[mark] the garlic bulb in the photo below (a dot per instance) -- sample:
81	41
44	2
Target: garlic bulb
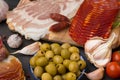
3	9
14	41
99	50
96	40
96	74
99	54
116	41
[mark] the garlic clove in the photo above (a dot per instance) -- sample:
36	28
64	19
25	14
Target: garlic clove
30	49
95	42
101	53
116	41
3	9
102	63
96	74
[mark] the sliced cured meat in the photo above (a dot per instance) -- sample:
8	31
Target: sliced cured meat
3	51
33	19
23	2
11	69
94	18
10	66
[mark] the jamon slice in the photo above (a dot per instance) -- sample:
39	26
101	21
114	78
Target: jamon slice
10	66
11	69
32	19
3	51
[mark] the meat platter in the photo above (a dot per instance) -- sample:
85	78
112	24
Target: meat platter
5	33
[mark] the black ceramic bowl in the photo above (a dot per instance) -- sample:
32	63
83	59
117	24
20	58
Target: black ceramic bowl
35	78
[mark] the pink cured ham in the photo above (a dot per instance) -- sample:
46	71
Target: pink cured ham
10	66
32	18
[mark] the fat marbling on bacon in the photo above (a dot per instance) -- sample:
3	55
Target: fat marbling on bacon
32	19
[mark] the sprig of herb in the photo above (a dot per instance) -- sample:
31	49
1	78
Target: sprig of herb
117	21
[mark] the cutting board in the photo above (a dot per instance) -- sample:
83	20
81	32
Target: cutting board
61	37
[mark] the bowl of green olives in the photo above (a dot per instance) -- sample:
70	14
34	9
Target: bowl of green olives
57	62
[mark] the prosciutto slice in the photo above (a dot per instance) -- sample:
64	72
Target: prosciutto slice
10	66
31	18
11	69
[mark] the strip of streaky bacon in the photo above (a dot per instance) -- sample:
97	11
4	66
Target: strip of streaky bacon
23	2
33	19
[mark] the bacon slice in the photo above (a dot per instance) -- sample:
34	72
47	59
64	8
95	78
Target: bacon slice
23	2
32	18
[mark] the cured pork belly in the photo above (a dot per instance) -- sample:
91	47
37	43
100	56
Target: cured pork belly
32	18
23	2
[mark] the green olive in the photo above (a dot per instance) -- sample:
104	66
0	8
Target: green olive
75	56
42	61
65	53
44	47
51	69
38	71
73	66
33	61
46	76
82	64
70	76
61	68
54	45
57	77
78	73
57	59
74	49
64	76
65	45
66	63
40	54
49	54
57	50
